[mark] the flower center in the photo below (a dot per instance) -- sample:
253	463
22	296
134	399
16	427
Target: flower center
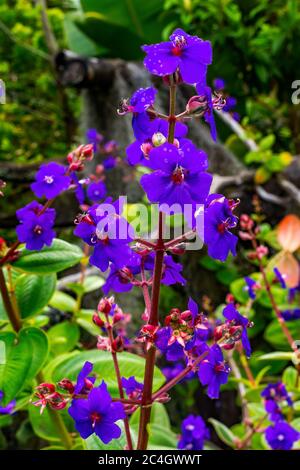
179	44
280	437
223	226
38	230
95	418
219	367
48	179
178	175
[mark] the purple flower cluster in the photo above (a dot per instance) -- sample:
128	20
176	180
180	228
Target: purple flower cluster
280	435
7	409
108	233
35	227
193	433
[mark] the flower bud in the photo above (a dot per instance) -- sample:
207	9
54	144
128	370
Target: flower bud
158	139
197	105
146	148
66	384
98	321
261	251
246	222
105	305
45	388
117	344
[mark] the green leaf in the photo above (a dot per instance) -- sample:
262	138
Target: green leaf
90	284
33	292
275	336
159	416
161	438
130	364
63	302
44	425
84	319
94	443
51	259
63	337
239	290
289	378
224	433
277	356
267	142
25	356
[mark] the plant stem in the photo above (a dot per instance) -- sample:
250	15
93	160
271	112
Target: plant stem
154	315
244	442
245	365
165	388
9	253
280	319
241	387
12	313
120	387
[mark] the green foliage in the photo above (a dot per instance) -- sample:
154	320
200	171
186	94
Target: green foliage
51	259
24	357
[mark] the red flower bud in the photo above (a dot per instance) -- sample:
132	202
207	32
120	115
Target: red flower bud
246	222
117	344
98	321
105	305
45	388
66	384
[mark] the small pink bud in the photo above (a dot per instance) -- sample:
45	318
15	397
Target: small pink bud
246	222
104	305
98	321
261	251
197	105
66	384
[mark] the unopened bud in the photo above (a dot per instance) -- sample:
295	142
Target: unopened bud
246	223
98	321
197	105
66	384
117	344
158	139
104	305
45	388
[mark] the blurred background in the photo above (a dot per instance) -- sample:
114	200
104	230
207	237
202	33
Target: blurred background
67	64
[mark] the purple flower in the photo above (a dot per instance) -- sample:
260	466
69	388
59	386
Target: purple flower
190	54
170	371
280	277
171	270
218	220
219	83
230	104
97	414
204	90
108	233
7	409
84	382
131	385
139	152
273	395
179	178
36	227
141	100
193	433
51	180
235	318
173	352
93	137
290	315
250	287
120	280
281	436
213	371
109	163
96	191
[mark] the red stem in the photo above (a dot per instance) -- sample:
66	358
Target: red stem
120	387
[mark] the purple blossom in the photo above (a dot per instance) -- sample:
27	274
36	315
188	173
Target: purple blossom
139	152
108	233
234	317
204	90
171	273
281	436
93	137
219	83
131	385
218	220
179	177
174	351
109	163
36	227
97	414
230	104
96	191
172	370
51	180
7	409
280	277
190	54
274	394
84	382
250	287
140	102
120	280
193	433
213	371
291	314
